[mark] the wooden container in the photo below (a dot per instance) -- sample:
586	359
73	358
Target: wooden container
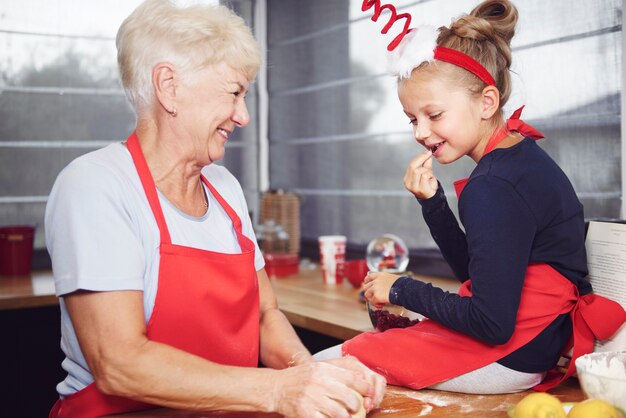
284	209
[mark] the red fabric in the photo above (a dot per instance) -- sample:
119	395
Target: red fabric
465	61
513	124
91	403
459	185
428	352
589	311
593	317
207	304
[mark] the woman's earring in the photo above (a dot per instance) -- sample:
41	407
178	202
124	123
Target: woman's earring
174	112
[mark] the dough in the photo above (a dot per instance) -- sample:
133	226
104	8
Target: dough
361	412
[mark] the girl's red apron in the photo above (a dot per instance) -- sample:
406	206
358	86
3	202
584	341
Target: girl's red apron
207	304
428	353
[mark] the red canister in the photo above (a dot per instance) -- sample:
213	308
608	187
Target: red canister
281	265
16	250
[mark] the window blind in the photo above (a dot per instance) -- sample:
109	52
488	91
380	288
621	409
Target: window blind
338	136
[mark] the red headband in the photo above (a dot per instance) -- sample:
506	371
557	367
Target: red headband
463	60
440	53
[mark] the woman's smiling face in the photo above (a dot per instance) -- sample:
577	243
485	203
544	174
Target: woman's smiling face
213	106
446	118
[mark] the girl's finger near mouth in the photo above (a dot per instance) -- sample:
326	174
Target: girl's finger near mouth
429	162
425	157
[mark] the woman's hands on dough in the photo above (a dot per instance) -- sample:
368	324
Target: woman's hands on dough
378	384
325	389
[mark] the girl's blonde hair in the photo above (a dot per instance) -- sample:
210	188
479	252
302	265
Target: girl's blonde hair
190	38
485	35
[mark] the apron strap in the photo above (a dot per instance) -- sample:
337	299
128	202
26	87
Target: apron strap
148	185
244	242
459	185
150	189
513	124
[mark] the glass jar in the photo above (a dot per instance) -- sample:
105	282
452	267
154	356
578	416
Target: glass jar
273	239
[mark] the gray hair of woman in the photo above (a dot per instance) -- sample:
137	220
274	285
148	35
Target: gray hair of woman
190	38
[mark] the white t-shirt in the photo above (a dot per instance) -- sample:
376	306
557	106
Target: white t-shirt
101	235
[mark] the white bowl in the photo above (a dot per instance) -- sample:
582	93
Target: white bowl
602	376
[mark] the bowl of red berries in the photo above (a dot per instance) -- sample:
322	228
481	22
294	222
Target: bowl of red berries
391	316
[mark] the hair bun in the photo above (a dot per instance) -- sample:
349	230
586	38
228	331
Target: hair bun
485	35
501	15
475	28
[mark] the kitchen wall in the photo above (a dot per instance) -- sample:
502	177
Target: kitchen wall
336	133
60	98
339	138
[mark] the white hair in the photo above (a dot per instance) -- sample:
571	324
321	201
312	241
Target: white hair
190	38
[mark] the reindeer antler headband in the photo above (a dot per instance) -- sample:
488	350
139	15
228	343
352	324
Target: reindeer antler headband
413	46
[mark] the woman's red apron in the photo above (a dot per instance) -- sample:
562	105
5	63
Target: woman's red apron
207	304
428	352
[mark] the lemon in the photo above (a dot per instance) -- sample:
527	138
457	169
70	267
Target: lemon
539	405
593	408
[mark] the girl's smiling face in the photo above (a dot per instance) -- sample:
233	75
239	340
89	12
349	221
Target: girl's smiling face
447	119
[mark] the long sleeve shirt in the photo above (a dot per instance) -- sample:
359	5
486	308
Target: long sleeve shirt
518	207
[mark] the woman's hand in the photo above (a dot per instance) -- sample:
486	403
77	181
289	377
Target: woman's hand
419	178
376	288
326	389
378	384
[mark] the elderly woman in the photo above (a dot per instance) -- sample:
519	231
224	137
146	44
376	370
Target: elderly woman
163	293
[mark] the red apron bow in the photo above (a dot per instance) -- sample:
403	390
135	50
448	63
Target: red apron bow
514	123
442	353
593	317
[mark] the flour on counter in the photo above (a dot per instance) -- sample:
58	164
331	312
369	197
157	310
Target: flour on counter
388	410
432	399
435	399
426	410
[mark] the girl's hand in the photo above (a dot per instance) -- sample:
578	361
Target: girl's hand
376	288
419	178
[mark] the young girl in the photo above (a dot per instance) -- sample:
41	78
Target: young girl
522	242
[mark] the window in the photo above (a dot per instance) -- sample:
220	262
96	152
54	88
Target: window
337	134
339	138
60	97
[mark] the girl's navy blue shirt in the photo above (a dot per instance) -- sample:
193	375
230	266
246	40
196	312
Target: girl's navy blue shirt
518	207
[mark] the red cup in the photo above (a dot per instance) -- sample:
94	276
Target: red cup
16	250
355	271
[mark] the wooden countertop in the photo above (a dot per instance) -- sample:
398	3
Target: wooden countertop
331	310
406	403
335	310
32	291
